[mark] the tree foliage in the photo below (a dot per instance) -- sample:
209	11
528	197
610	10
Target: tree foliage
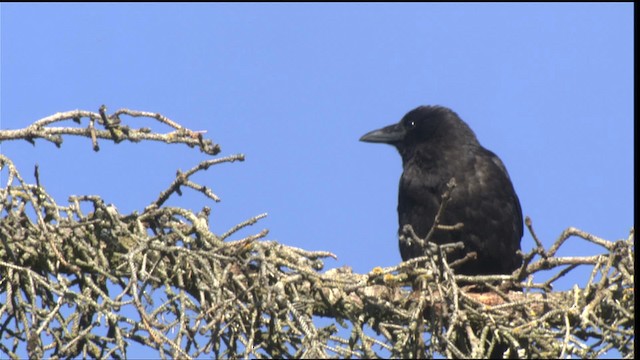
91	283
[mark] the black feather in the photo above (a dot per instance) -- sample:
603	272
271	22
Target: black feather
435	146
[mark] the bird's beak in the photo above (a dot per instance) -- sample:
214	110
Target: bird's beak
389	135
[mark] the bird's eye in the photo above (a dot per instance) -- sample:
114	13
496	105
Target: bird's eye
410	124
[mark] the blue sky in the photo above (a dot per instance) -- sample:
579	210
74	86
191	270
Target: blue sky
547	87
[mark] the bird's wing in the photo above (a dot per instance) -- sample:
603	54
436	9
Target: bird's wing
496	160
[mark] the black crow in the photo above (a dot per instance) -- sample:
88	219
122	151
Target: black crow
436	145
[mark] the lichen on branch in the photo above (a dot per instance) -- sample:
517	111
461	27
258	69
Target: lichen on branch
77	283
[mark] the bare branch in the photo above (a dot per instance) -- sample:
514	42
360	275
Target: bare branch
91	284
114	130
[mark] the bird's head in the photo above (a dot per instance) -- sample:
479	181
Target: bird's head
424	125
